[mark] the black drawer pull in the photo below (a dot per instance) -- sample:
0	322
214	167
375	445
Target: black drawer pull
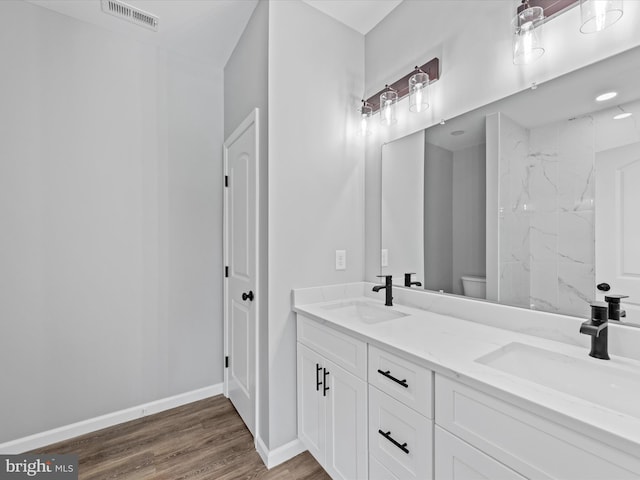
318	382
324	380
387	435
391	377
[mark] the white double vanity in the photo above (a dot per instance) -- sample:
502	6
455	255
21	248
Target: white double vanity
442	387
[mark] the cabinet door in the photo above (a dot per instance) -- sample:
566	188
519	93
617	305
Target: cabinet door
346	424
457	460
311	415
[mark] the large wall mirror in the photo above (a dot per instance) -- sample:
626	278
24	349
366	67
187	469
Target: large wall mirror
531	201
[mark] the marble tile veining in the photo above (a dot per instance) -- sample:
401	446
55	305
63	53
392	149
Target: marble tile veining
550	174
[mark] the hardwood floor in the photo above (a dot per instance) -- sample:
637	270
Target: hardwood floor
202	440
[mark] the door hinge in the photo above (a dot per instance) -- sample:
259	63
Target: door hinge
226	362
226	272
226	180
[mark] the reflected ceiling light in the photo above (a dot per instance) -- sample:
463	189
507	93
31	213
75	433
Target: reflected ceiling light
388	100
418	91
606	96
596	15
365	115
623	115
527	33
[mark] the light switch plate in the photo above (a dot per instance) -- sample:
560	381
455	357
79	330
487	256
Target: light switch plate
341	259
384	258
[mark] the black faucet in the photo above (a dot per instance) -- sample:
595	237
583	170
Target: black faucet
408	282
614	306
597	328
387	287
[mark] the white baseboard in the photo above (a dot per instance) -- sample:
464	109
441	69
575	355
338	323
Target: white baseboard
273	458
66	432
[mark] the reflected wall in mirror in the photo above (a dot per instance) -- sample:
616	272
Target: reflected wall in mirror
534	193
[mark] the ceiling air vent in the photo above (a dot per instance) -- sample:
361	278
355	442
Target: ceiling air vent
127	12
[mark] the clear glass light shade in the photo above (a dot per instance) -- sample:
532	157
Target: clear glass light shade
388	101
597	15
419	92
365	118
527	35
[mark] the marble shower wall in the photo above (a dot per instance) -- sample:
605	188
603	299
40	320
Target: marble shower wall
514	220
547	215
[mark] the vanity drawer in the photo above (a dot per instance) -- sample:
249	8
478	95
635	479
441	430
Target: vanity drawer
531	445
402	379
400	439
377	471
348	352
457	460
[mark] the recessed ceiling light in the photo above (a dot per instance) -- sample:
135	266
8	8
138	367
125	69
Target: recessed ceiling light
606	96
620	116
455	133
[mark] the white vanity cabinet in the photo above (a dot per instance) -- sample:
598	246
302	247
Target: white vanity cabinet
332	401
365	411
479	433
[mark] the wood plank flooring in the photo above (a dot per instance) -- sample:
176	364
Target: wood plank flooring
201	440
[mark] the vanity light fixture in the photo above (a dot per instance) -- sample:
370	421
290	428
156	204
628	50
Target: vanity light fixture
527	33
385	100
531	15
606	96
596	15
418	91
388	100
365	116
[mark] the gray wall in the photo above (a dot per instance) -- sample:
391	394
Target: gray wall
438	225
469	213
316	178
110	205
245	88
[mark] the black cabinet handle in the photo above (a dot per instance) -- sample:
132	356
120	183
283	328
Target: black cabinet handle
391	377
388	436
325	388
604	287
248	296
318	382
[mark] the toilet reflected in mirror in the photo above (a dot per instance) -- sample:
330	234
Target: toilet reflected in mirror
474	286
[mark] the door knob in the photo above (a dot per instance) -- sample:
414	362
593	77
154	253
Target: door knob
603	287
248	296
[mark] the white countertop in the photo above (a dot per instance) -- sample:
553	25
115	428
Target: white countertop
450	346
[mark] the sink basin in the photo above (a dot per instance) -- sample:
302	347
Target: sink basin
364	311
600	383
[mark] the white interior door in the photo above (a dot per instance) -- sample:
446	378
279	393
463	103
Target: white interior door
618	224
240	246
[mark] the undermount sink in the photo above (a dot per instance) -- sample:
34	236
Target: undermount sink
603	384
364	311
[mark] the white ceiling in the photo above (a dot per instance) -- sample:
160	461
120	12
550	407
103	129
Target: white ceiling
361	15
205	29
209	29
